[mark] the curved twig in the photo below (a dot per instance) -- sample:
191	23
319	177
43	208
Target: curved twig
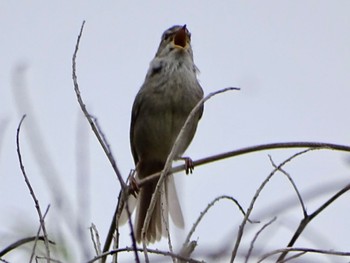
290	179
172	155
151	251
210	205
256	237
105	146
32	193
252	203
94	128
21	242
306	250
307	219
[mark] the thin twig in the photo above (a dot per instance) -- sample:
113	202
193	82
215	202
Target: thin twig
21	242
88	116
256	236
50	259
103	142
31	190
40	151
306	220
294	186
94	128
202	214
312	193
306	250
152	251
145	250
95	237
186	251
38	233
165	218
173	153
294	256
252	203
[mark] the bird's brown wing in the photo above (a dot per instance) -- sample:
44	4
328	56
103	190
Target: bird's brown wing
134	115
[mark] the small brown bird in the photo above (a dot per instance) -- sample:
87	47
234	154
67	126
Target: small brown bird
169	93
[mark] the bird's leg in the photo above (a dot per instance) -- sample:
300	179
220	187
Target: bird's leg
189	167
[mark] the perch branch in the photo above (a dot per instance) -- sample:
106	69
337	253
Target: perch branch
251	149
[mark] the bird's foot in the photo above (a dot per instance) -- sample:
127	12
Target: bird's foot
189	166
134	188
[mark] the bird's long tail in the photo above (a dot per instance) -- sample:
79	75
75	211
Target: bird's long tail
167	200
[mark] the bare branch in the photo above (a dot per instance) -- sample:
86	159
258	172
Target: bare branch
164	215
152	251
251	206
31	190
294	256
145	251
294	186
94	128
307	219
205	211
21	242
104	144
187	250
305	250
172	155
95	237
50	259
256	236
251	149
38	233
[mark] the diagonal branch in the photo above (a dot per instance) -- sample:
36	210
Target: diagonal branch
307	219
21	242
252	203
94	128
31	190
294	186
304	250
202	214
256	237
105	146
172	155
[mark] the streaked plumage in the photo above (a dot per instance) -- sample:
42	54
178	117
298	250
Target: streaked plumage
162	105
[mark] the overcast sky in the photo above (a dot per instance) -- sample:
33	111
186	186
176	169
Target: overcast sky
290	59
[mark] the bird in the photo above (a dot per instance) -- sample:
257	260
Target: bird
169	93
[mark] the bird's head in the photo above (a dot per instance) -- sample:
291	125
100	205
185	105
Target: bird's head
176	40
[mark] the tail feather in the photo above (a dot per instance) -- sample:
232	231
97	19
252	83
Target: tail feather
173	203
167	202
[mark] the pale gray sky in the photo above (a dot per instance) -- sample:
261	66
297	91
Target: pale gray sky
290	59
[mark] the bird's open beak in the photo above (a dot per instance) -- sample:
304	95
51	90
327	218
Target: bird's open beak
181	37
